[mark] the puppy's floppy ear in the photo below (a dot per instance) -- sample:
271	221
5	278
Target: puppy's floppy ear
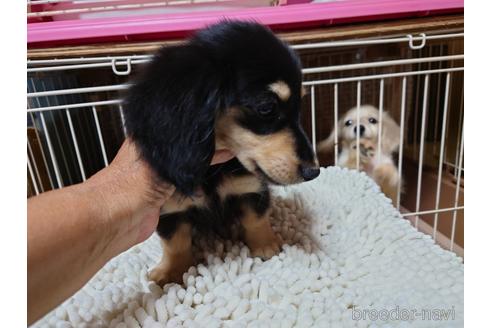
170	113
390	134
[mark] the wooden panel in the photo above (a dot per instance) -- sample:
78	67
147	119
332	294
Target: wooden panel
307	35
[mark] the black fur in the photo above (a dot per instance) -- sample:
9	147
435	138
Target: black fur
171	108
170	112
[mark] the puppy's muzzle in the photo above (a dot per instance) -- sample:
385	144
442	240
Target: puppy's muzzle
361	129
309	172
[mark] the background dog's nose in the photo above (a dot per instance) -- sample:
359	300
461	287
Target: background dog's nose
360	128
309	172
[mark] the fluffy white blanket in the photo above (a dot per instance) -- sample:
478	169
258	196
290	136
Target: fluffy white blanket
350	260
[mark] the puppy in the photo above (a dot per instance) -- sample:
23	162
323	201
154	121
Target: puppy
236	86
380	167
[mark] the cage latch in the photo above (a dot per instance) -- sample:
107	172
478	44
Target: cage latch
128	67
411	43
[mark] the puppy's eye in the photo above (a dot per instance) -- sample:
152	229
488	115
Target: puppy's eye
266	110
372	120
348	123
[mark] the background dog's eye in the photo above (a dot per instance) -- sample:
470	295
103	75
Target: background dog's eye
348	123
372	120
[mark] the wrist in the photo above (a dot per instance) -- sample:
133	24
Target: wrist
126	205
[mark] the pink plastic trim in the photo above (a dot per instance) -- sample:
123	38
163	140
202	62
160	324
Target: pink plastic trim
283	17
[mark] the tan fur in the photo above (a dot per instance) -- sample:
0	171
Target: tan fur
303	91
381	168
176	258
259	236
178	202
386	176
275	153
281	89
238	186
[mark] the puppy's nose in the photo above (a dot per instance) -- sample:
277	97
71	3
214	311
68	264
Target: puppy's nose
309	172
361	130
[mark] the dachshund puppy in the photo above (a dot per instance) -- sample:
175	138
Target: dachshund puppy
236	86
380	167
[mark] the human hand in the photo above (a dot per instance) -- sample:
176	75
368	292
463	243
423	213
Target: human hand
131	196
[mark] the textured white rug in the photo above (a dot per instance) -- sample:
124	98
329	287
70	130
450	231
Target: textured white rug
351	261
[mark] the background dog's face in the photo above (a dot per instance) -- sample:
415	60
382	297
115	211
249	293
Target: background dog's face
368	127
368	124
263	130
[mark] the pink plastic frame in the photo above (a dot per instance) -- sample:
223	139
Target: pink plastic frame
289	16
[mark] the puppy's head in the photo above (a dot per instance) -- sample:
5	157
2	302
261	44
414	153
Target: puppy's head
261	120
233	85
367	129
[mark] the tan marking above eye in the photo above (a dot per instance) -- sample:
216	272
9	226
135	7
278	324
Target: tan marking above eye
281	89
303	91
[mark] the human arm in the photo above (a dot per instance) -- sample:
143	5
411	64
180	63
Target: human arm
72	232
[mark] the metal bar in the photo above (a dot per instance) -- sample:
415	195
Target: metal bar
454	165
402	134
457	192
380	118
31	155
441	152
460	129
381	64
313	119
52	153
357	136
78	90
99	134
438	102
31	174
422	144
80	105
82	60
351	79
131	60
383	76
83	66
75	144
335	91
374	41
449	209
43	156
122	117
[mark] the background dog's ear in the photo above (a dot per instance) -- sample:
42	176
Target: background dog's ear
328	145
170	113
390	134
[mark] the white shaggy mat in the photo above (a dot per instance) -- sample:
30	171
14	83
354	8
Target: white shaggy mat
351	261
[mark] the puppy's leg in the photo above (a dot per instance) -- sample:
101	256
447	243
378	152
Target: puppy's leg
258	234
176	245
366	154
386	176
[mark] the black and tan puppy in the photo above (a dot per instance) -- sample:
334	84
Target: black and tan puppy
233	85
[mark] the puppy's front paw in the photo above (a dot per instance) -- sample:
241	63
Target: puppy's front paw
162	276
267	247
171	269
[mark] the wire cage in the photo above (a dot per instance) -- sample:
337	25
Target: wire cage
75	120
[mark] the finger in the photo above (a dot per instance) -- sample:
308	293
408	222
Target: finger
222	156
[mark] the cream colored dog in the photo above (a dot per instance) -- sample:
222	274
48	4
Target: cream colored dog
380	167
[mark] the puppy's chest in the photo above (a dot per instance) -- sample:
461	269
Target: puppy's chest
222	183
